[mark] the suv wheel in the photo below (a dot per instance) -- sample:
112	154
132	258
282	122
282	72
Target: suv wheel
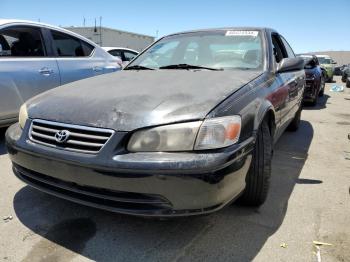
348	82
258	177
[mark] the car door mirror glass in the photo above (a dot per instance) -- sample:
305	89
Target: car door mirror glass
290	64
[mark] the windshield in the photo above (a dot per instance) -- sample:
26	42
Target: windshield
216	49
324	60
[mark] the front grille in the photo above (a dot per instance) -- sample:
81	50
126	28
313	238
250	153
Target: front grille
80	139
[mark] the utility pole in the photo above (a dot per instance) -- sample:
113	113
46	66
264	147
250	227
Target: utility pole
100	30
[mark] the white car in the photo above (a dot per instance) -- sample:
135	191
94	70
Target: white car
35	57
125	54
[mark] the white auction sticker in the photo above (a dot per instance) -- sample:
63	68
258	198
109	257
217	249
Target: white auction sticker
242	33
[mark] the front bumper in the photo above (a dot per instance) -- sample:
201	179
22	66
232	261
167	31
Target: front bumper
146	184
310	91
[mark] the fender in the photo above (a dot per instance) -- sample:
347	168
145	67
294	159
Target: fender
251	104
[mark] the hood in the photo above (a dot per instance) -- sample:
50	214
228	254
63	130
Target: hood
129	100
327	66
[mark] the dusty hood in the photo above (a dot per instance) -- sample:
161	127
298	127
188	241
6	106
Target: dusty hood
129	100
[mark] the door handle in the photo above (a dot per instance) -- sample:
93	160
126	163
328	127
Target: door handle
97	68
46	71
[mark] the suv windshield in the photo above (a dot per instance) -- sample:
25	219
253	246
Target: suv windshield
208	50
324	60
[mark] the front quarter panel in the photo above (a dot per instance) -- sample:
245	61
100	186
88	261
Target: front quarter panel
252	102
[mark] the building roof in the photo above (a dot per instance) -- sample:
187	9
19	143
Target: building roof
108	28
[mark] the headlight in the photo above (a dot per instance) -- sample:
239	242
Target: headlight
218	132
23	115
200	135
177	137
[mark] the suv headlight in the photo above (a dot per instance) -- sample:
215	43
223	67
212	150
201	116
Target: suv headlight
199	135
23	115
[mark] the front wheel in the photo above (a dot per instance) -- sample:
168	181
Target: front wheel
348	82
322	86
258	177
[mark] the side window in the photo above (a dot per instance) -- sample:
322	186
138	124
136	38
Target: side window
21	41
277	48
69	46
128	56
116	52
287	47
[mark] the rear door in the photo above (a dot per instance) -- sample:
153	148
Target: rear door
26	68
75	57
290	84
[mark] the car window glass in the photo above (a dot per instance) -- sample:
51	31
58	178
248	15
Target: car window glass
287	47
128	56
67	46
116	52
87	48
191	53
277	50
21	42
220	49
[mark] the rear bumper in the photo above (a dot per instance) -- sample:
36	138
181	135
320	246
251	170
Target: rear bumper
146	184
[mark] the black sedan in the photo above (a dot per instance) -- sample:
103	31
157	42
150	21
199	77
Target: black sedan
186	128
315	79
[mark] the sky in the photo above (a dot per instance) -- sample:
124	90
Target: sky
308	25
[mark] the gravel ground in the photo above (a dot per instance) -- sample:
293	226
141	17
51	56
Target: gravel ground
309	200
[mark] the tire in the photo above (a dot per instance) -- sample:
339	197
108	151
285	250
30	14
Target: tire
314	102
294	125
343	78
258	177
322	86
348	82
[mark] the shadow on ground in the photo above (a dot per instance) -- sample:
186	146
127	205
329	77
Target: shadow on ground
234	234
321	103
2	141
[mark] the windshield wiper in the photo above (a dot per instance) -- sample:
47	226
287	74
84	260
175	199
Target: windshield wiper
187	66
138	67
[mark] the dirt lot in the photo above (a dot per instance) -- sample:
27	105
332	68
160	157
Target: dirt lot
309	201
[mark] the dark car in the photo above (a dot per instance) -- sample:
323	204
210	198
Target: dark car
345	73
186	128
315	79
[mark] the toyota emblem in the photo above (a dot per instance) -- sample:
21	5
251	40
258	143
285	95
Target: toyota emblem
62	136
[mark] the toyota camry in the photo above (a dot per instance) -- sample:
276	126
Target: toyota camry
186	128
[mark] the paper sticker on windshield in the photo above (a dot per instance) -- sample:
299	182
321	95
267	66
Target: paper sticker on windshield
242	33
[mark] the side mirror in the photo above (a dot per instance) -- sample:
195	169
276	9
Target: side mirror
290	64
334	62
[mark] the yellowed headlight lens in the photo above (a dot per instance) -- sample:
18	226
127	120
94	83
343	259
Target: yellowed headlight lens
23	115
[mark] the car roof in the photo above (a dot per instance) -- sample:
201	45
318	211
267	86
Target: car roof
108	48
33	23
325	56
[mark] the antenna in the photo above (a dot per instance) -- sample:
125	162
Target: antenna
95	29
84	21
